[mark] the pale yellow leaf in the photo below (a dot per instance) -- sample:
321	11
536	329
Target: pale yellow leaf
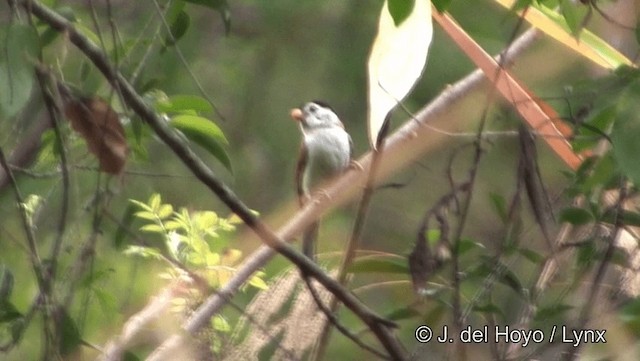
396	61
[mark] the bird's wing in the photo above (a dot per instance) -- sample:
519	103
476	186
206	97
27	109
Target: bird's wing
300	167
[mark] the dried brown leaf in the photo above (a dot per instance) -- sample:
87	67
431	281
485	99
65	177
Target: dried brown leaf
100	127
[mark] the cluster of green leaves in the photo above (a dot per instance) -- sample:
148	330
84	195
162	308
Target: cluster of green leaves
184	114
198	240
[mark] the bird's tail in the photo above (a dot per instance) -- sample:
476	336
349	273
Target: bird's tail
309	237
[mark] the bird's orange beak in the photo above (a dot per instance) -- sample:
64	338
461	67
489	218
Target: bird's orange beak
296	114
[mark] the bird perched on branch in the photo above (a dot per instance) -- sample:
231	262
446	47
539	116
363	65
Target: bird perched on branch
325	153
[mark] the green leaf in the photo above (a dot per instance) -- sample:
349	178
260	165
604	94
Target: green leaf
498	202
576	216
490	266
629	218
552	312
586	254
532	256
184	103
150	216
130	356
152	228
70	338
6	283
258	283
204	133
178	28
466	245
400	10
385	264
624	136
165	211
220	324
221	6
145	252
575	13
20	47
8	312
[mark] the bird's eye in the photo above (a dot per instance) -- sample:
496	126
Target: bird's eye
313	108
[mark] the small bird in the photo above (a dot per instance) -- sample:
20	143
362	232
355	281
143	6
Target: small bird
325	152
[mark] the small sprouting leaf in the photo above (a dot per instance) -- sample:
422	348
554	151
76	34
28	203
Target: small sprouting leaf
205	133
20	47
396	61
258	283
145	252
152	228
576	216
219	323
386	264
150	216
165	211
155	200
184	103
221	6
141	205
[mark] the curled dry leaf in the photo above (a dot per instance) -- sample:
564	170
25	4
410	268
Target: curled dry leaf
100	127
